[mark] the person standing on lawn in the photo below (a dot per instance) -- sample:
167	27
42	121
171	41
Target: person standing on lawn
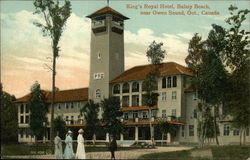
68	152
58	147
80	152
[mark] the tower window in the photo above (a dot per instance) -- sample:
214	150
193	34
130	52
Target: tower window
135	87
98	93
116	89
163	82
169	82
174	81
99	55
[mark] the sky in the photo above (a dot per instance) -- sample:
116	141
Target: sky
25	52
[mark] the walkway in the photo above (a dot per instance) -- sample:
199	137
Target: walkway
130	154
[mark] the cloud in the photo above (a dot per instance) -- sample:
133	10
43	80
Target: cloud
25	51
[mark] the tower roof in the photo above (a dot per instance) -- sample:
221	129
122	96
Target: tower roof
106	10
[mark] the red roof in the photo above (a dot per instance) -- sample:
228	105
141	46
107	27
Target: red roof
106	10
189	89
140	72
79	94
137	108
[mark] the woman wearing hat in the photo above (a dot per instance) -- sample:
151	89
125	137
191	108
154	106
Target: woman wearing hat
80	152
68	152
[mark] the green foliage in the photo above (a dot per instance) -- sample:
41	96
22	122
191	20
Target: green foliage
166	127
38	111
195	52
238	40
55	17
90	112
60	126
150	85
155	54
8	118
111	113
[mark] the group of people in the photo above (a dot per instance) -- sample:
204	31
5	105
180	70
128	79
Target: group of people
68	151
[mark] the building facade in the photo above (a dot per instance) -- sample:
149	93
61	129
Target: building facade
177	102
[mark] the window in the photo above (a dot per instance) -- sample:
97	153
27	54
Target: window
99	55
27	133
135	100
183	130
125	88
72	105
27	109
135	115
21	119
27	119
21	133
169	82
226	130
125	101
58	107
22	108
72	120
173	112
154	112
98	93
163	113
67	118
195	113
143	86
116	89
163	82
164	96
174	81
144	115
126	115
66	106
236	132
135	87
173	95
191	130
195	95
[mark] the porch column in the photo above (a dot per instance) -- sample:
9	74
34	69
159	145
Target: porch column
121	137
136	133
107	136
168	138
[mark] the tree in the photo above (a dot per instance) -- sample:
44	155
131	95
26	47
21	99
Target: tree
111	113
195	52
38	111
212	77
155	55
60	126
9	119
55	17
90	112
165	128
237	58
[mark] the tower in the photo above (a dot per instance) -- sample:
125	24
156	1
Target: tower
106	51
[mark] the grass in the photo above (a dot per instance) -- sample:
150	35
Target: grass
25	149
218	153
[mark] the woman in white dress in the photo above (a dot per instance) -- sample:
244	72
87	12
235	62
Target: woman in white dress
68	152
80	152
58	147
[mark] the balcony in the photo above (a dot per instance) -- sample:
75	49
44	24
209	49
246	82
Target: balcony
137	108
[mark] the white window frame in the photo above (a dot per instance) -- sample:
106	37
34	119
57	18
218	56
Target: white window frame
173	112
144	115
164	114
97	93
174	95
164	96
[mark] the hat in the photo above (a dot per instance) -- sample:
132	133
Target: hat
69	132
80	131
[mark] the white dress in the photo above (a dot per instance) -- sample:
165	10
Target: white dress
80	152
58	148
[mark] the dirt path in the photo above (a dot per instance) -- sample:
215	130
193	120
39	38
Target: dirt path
130	154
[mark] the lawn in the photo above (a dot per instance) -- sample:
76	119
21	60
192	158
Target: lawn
25	149
213	152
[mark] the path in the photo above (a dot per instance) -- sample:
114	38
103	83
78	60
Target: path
129	154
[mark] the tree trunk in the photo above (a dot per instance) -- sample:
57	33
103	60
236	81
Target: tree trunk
244	136
94	139
162	137
150	127
53	97
240	136
215	126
